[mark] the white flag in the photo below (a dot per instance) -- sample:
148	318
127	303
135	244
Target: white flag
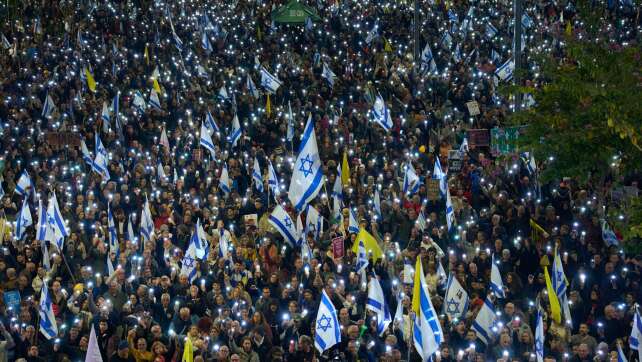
93	352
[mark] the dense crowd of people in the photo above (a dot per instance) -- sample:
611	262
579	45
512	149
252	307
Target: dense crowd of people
258	299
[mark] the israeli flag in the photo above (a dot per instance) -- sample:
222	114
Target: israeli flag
353	225
100	164
496	284
328	74
484	323
427	332
154	101
377	204
139	102
146	222
48	107
252	88
308	24
450	211
620	354
222	93
269	82
381	113
273	180
256	175
43	233
307	177
337	188
411	181
373	33
505	71
636	333
495	57
456	299
115	108
439	174
362	258
284	224
327	331
130	228
114	246
178	42
24	220
539	338
224	181
560	285
206	139
188	265
491	30
46	259
105	116
48	326
446	41
205	43
421	221
313	223
427	60
211	125
608	235
290	131
235	134
201	72
24	183
377	303
224	245
463	148
56	222
1	190
5	42
457	53
527	22
199	240
452	15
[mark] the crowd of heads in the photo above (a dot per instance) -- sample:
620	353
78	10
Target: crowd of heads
258	300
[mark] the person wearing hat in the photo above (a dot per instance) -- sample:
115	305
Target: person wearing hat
122	353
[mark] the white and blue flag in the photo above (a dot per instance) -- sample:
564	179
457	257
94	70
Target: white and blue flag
24	220
427	332
450	211
290	131
48	107
154	101
377	303
48	326
456	299
313	223
496	284
505	71
327	331
101	160
381	113
273	180
353	224
206	139
439	174
251	87
42	229
224	181
139	102
59	230
427	60
24	183
484	324
257	175
539	337
620	354
222	93
269	82
114	246
362	258
210	124
205	43
560	285
377	203
105	117
608	235
636	333
411	181
115	108
146	222
328	74
491	30
284	224
199	240
235	134
307	177
188	265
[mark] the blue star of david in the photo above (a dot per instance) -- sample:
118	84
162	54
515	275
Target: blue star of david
51	220
559	275
306	171
452	307
188	261
24	221
538	345
288	222
312	227
324	323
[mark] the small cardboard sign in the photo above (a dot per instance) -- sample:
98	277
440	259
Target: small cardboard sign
338	250
473	108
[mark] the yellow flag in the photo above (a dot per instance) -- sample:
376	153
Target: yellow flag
569	28
91	83
419	270
268	106
537	232
345	170
188	351
552	298
157	87
369	242
146	55
386	46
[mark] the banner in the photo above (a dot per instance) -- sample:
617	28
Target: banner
338	251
